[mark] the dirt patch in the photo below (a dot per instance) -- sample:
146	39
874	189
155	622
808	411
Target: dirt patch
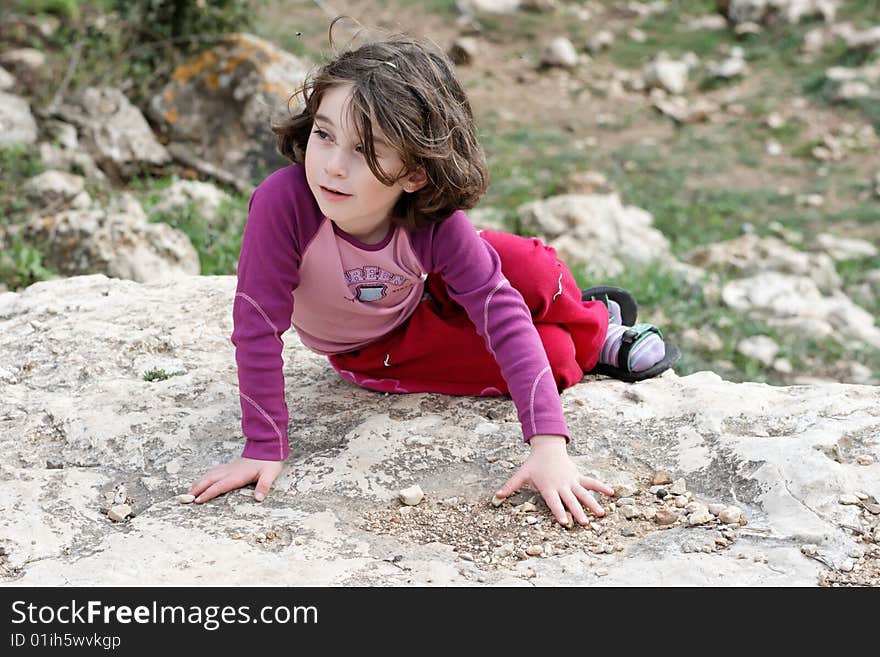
523	528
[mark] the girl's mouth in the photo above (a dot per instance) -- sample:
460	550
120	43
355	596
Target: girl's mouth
331	195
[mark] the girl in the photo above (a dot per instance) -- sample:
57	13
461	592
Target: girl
363	245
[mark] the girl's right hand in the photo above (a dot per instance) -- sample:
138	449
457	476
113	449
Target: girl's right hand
235	474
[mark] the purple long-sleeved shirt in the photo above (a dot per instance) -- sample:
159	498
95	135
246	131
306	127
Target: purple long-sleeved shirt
296	267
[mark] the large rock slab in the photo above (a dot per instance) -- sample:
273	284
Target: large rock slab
81	428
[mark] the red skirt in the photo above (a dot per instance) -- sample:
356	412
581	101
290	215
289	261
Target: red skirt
439	350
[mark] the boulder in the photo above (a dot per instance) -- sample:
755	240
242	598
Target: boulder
596	230
114	132
17	124
117	241
218	107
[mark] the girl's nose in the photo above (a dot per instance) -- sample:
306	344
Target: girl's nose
335	163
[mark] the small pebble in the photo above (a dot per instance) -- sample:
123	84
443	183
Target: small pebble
497	501
699	517
629	511
119	512
609	549
847	565
627	531
730	515
861	495
681	501
527	507
623	501
849	499
534	550
531	520
601	572
504	550
411	496
665	517
649	513
186	499
871	507
679	487
716	509
465	556
624	492
865	459
693	507
661	477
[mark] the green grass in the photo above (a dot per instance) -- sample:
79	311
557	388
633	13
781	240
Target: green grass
17	164
445	8
688	213
664	31
159	375
527	164
661	293
218	243
21	265
852	273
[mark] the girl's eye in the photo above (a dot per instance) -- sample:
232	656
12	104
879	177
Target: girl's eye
321	134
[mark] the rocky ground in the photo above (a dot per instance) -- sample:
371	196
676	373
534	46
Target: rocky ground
730	150
107	416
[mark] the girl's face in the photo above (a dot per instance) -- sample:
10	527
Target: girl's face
337	173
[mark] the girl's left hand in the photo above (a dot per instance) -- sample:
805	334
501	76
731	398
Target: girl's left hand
550	471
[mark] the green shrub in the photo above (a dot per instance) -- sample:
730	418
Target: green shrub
21	265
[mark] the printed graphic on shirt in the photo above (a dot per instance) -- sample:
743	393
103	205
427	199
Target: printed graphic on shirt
371	283
370	292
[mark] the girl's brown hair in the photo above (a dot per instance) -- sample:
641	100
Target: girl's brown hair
410	91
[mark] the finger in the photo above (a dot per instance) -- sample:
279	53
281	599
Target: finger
223	486
577	511
551	497
201	484
595	484
586	498
212	475
513	484
264	483
591	501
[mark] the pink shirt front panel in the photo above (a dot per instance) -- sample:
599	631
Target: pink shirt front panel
350	293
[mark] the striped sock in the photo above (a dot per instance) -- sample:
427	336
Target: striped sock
614	316
648	352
